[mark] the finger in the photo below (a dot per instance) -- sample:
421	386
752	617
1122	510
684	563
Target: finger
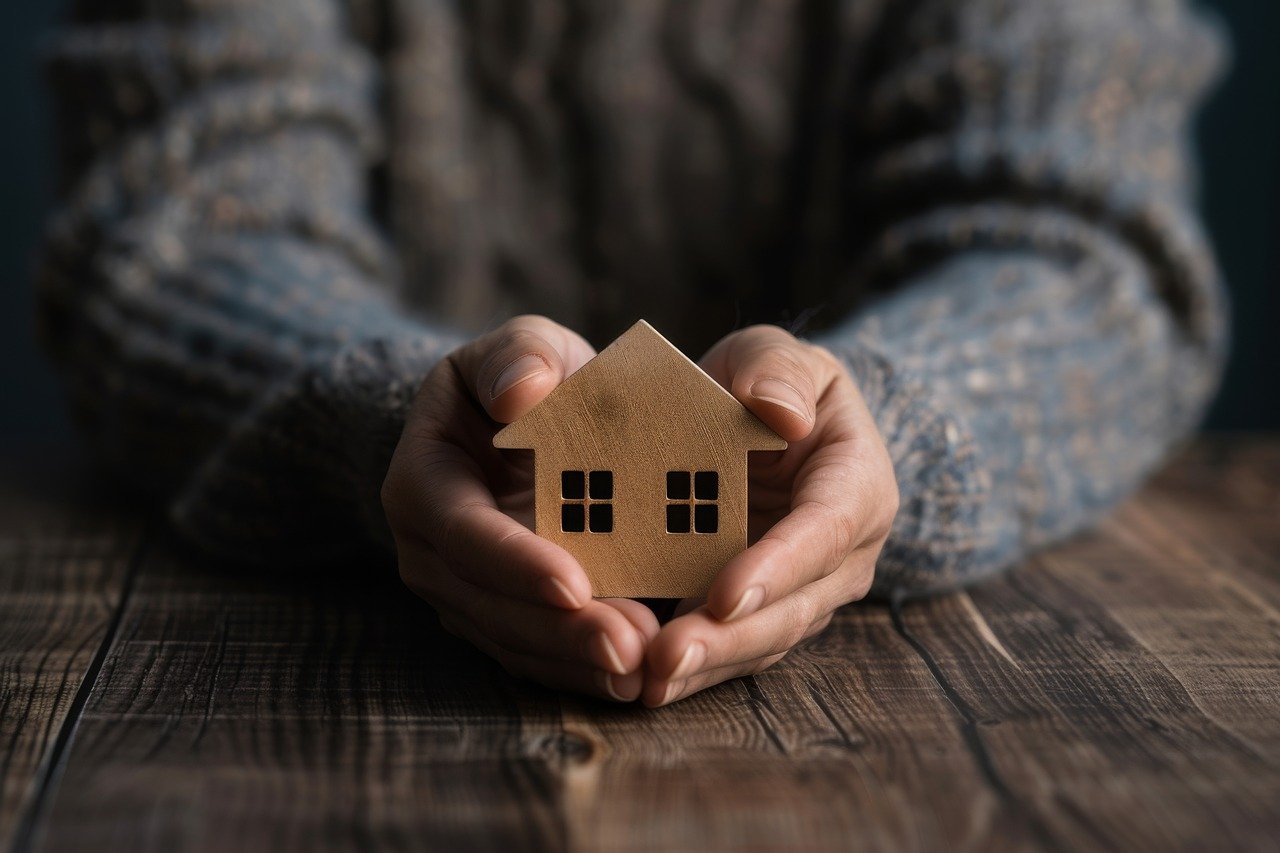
845	499
598	633
512	368
662	692
655	694
443	502
776	376
637	614
812	542
556	674
699	641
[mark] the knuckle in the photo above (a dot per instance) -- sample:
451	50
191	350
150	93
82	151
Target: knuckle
404	572
764	663
510	663
420	575
882	522
500	631
433	516
797	625
450	624
841	525
490	627
892	494
795	566
886	474
885	504
407	494
820	601
445	524
892	503
861	586
820	626
792	637
389	496
813	608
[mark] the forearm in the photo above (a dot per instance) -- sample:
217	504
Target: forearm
1053	318
213	290
1020	396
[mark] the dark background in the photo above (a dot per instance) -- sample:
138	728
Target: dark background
1238	134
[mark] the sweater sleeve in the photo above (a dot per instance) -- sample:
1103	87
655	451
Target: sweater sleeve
1051	320
219	303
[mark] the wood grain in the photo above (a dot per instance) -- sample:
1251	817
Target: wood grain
63	563
641	409
1119	692
1126	689
237	713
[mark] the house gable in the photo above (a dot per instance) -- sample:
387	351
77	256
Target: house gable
638	389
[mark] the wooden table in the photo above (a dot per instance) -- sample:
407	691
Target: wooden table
1122	691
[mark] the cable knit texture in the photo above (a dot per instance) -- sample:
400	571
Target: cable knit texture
278	215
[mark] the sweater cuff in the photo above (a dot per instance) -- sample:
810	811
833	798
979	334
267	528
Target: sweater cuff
298	478
950	530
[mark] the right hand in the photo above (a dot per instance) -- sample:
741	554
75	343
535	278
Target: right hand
461	511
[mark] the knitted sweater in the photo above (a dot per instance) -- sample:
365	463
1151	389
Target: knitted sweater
279	214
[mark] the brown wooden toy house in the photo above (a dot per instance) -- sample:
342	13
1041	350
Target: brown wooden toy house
640	468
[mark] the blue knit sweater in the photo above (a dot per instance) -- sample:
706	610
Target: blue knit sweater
279	214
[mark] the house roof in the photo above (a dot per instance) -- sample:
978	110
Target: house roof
639	389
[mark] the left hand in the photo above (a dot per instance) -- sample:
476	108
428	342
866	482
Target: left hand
820	513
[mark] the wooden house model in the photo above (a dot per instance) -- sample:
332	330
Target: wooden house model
640	468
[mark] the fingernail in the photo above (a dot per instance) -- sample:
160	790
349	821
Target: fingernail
522	369
694	657
673	690
556	593
748	604
605	682
781	394
608	655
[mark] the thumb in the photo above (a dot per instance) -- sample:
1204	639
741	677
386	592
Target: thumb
511	369
775	375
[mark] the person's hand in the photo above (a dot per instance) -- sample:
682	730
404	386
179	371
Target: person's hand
461	513
822	510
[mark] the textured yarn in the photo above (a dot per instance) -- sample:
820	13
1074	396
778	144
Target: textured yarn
279	214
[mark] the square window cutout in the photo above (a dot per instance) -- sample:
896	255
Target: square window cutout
572	518
601	518
573	485
706	518
706	486
601	485
678	518
677	485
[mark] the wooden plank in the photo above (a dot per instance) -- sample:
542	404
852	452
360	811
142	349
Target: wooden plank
849	744
1220	507
236	712
241	713
1041	723
1126	686
1118	692
63	562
